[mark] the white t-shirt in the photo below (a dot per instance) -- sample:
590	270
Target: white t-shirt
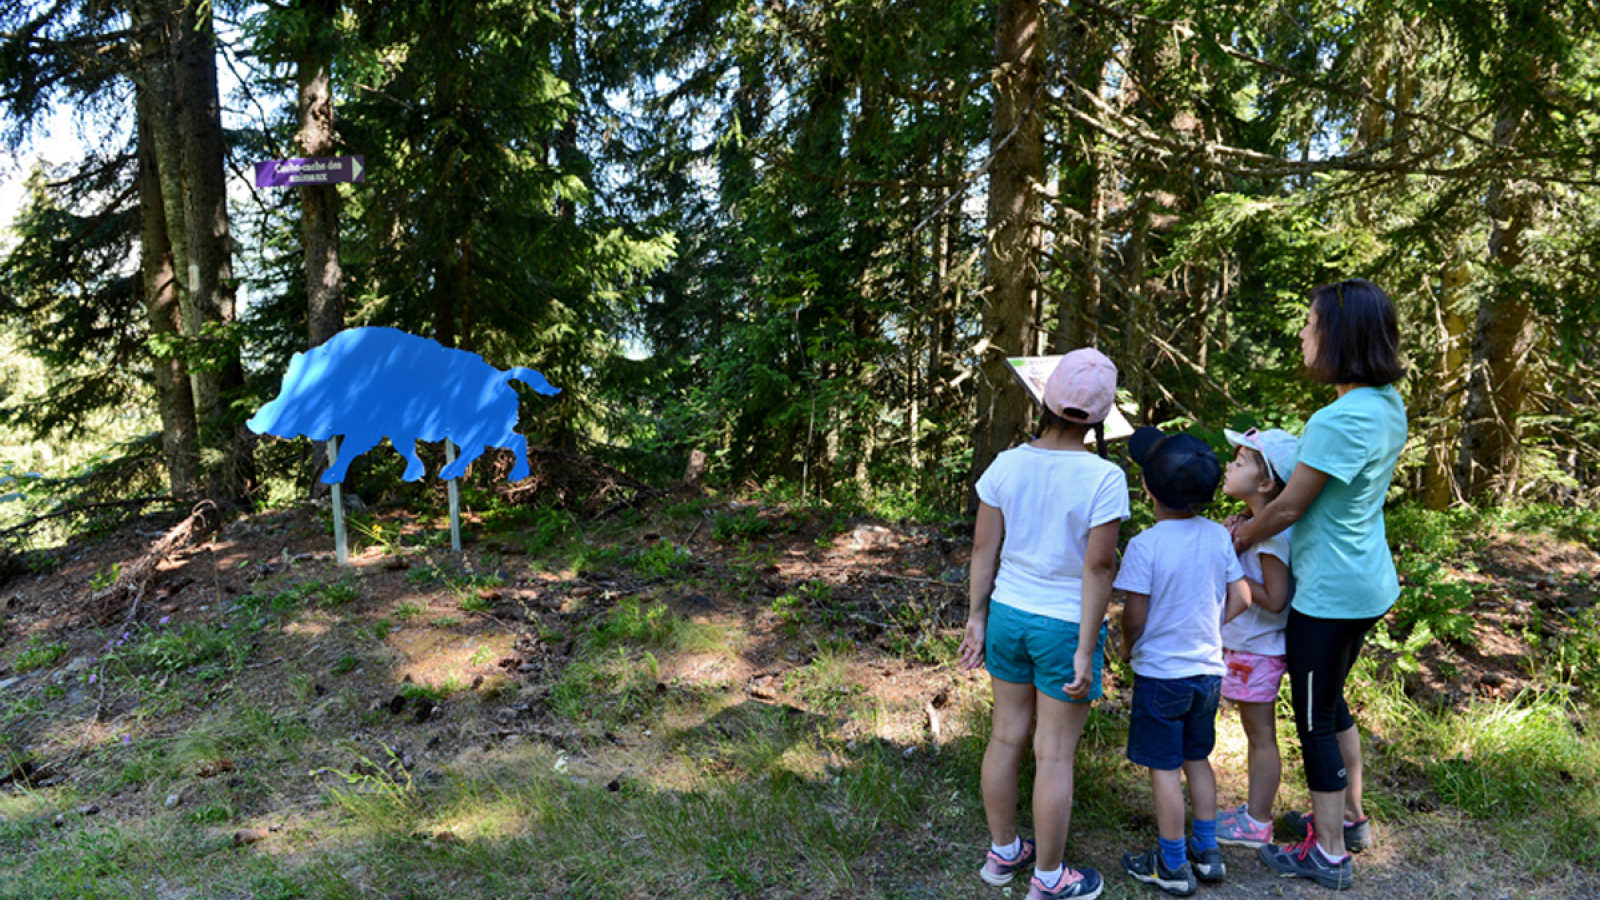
1256	630
1185	566
1050	500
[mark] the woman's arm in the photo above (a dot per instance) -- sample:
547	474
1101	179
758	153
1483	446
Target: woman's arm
1303	487
986	537
1099	570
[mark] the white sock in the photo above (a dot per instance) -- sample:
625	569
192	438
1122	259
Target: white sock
1254	821
1009	851
1051	878
1324	854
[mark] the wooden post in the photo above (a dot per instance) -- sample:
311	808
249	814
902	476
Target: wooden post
336	497
455	499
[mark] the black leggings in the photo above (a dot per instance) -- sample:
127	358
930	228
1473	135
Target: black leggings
1320	654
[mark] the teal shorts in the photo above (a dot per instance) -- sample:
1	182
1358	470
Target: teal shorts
1024	648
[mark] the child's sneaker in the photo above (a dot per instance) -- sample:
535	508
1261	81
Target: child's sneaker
1357	835
998	871
1151	869
1075	884
1235	828
1209	865
1306	860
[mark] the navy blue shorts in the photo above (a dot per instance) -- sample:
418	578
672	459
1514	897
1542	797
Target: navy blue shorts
1173	721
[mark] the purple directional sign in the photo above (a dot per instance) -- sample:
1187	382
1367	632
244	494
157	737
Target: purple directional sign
310	171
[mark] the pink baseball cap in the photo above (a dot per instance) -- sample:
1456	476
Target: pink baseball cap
1083	387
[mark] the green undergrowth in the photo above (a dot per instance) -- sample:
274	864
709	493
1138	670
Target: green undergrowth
617	778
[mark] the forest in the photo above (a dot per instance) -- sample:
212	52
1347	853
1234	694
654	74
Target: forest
775	254
802	238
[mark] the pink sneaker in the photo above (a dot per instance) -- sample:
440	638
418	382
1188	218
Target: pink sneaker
1235	829
998	871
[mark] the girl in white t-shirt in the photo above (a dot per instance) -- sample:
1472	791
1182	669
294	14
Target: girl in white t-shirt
1043	559
1253	644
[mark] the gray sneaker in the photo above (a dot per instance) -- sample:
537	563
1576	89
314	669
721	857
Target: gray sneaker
1209	865
1305	860
1150	869
1357	835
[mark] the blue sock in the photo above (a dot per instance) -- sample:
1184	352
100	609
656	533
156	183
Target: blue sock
1173	853
1205	833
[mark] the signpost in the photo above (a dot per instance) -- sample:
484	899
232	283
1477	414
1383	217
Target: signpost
309	172
306	172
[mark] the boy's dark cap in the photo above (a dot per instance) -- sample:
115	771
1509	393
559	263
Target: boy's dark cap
1180	470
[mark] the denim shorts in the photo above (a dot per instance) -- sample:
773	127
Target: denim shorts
1025	648
1173	720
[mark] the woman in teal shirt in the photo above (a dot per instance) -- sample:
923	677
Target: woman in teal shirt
1344	576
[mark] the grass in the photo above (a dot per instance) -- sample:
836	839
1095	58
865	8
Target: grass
618	778
39	652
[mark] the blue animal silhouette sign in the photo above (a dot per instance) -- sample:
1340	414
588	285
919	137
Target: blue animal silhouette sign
370	383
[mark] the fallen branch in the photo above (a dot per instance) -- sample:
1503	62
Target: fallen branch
128	589
84	507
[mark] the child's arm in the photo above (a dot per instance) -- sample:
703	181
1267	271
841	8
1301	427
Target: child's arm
1272	592
1238	599
986	537
1135	610
1099	570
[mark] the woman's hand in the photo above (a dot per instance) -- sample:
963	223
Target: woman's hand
971	650
1234	521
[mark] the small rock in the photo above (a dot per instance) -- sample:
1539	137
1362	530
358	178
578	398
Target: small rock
173	800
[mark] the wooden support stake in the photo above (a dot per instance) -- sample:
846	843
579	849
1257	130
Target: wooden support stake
455	499
341	548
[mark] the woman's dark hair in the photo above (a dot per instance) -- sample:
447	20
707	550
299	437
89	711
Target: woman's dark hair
1049	421
1358	334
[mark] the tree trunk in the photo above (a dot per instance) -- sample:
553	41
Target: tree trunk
174	397
156	25
1079	189
1504	336
219	375
319	203
1011	264
1438	475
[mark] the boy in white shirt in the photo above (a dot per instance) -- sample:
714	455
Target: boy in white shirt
1252	645
1181	580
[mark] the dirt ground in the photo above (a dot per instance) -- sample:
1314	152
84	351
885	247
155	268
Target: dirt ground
885	583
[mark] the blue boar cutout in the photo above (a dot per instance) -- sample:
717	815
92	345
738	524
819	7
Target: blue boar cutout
372	383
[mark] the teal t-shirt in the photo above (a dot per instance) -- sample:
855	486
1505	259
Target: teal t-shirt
1342	565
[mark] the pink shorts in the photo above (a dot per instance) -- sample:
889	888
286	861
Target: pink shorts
1252	678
